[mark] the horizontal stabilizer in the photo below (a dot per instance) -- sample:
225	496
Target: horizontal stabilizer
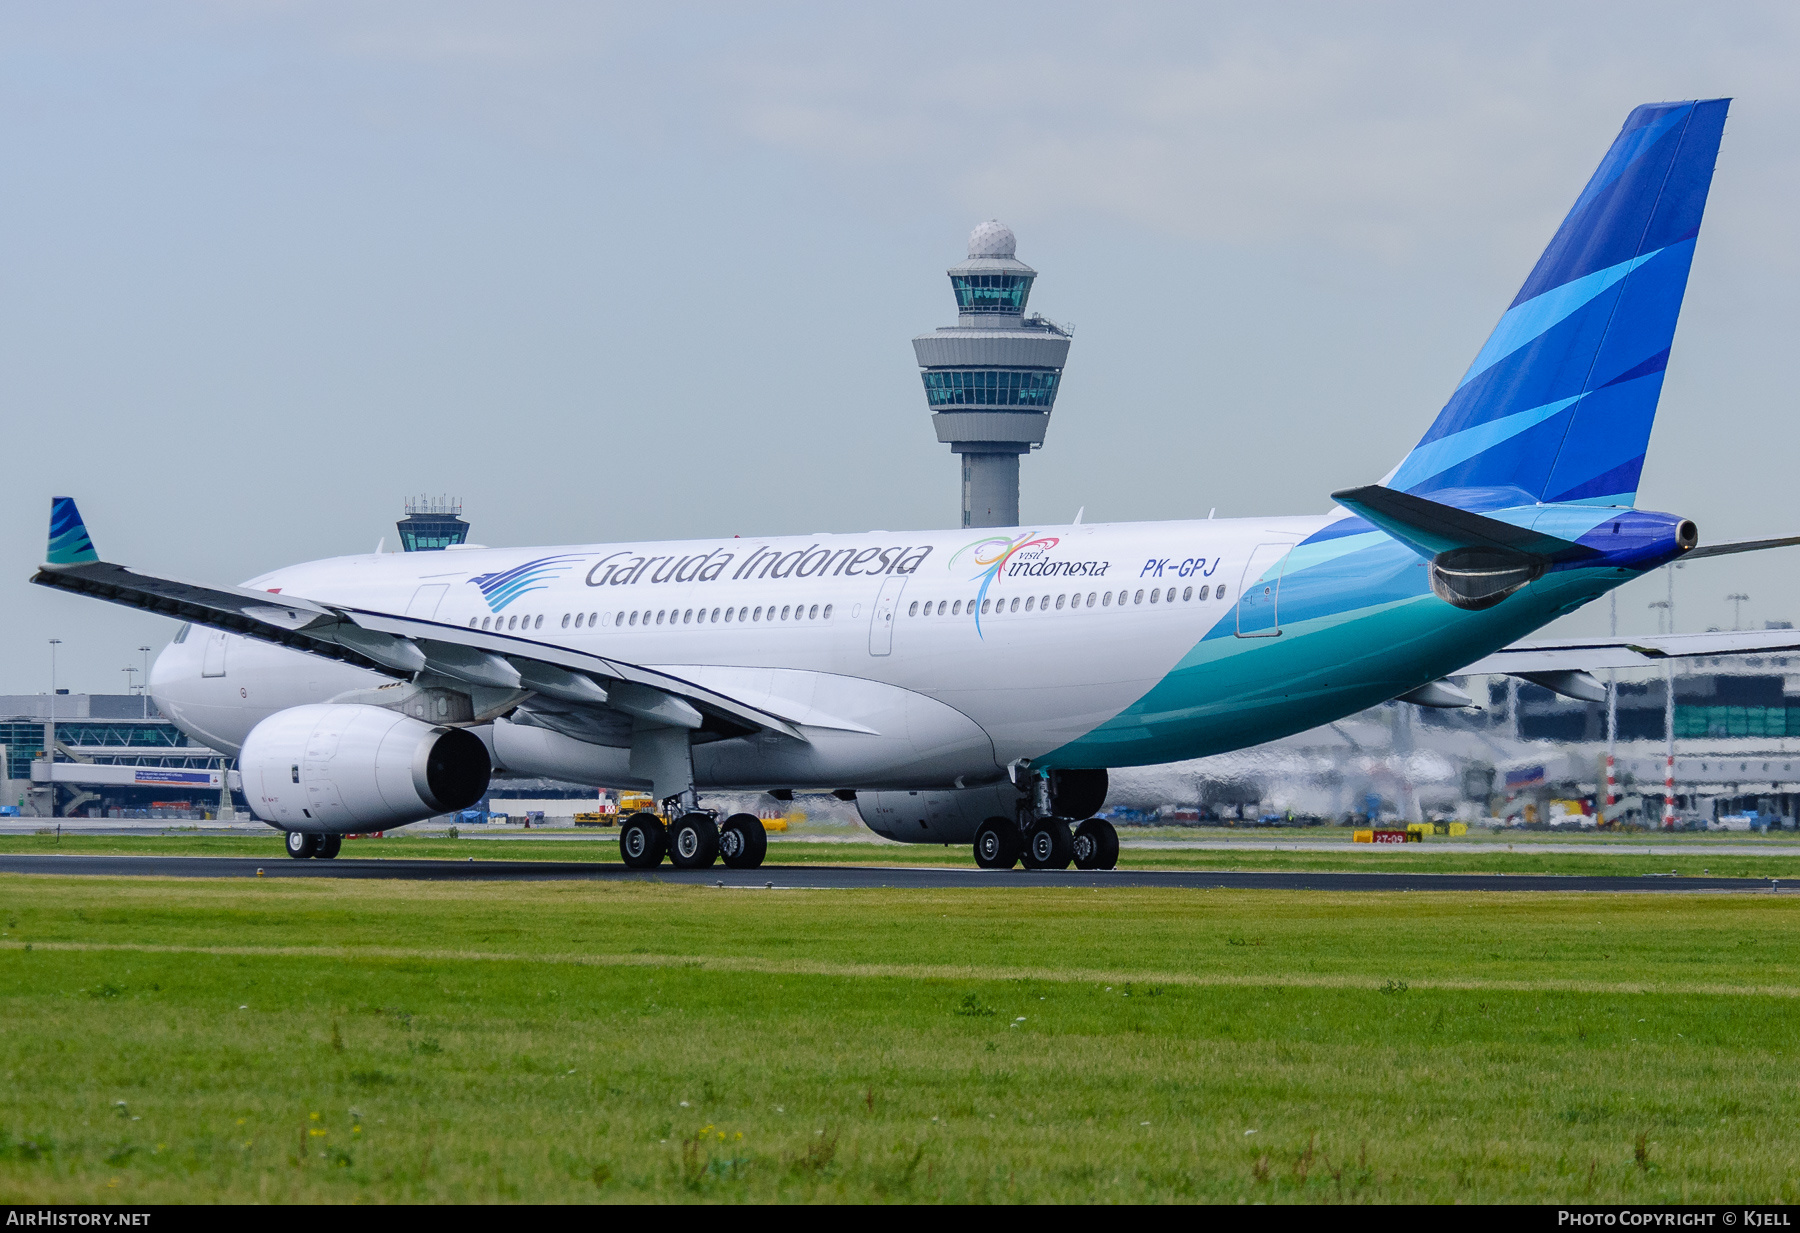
1591	654
1743	545
1429	528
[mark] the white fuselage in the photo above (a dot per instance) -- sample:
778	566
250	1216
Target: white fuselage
914	659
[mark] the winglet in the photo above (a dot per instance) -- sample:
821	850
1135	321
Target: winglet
69	542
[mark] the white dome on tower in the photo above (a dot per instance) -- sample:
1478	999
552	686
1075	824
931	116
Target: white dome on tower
992	239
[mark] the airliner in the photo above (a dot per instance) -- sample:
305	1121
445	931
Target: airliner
974	686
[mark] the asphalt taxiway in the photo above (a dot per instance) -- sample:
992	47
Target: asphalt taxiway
864	877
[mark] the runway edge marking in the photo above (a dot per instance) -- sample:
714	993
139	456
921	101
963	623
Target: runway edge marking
887	971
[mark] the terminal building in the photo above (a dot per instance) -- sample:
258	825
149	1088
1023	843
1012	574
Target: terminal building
991	379
154	768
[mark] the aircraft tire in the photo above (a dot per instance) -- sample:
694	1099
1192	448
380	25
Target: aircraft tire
693	841
329	846
301	845
997	844
743	842
1096	845
642	841
1048	845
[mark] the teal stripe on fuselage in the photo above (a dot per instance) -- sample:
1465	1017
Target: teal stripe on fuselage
1359	627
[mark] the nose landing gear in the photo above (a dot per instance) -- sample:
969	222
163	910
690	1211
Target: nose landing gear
300	845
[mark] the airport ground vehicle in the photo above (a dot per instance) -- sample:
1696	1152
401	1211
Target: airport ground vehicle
974	687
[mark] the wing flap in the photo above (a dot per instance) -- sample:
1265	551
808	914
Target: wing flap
336	632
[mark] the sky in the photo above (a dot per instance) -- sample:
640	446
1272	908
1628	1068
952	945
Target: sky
617	272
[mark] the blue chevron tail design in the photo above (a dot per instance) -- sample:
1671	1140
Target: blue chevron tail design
69	542
1558	405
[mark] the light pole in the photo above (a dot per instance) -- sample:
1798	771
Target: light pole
129	673
50	724
146	694
1661	606
1738	600
1612	718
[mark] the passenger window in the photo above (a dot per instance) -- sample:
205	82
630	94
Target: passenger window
1139	598
1155	594
566	620
914	610
471	622
757	615
539	623
728	613
484	622
1203	591
956	608
1187	593
812	612
595	616
1171	595
1106	600
660	613
1044	604
1220	593
1015	605
1059	602
715	616
1030	602
827	612
742	613
784	612
985	605
687	618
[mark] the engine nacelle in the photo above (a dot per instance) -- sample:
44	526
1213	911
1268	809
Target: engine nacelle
937	817
339	768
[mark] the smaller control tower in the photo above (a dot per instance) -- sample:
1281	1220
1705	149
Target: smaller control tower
991	379
432	524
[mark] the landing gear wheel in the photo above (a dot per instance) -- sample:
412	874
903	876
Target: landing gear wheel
300	845
1048	845
997	844
743	842
693	841
1096	845
642	841
328	846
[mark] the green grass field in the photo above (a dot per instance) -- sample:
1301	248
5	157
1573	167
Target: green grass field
1535	854
287	1040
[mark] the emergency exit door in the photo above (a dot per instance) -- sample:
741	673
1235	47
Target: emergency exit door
1259	592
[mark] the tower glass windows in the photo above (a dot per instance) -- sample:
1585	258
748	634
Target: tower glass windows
991	293
1034	388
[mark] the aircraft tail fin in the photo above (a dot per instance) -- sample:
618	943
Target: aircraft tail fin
69	542
1560	401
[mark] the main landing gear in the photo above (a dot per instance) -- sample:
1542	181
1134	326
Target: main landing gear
692	841
1046	844
301	845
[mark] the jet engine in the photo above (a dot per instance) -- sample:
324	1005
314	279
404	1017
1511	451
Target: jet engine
341	768
937	817
951	817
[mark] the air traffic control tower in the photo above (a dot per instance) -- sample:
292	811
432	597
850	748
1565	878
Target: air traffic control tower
991	378
431	524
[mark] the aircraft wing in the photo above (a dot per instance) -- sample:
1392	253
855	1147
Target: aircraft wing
1591	654
401	646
